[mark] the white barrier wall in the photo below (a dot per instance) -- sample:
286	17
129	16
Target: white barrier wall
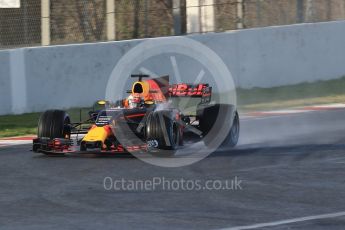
5	83
36	79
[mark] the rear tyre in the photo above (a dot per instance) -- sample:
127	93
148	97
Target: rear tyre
163	130
54	124
232	139
213	118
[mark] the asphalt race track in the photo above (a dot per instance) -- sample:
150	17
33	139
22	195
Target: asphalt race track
291	169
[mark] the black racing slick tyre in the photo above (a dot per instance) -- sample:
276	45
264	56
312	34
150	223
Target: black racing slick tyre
54	124
213	118
163	130
231	139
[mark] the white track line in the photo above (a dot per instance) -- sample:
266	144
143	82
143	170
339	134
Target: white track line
14	142
288	221
329	106
281	113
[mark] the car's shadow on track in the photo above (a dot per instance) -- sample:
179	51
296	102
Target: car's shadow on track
297	152
88	155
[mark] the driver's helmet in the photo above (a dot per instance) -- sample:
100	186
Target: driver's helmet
134	101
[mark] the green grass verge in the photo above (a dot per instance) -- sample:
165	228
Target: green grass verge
18	125
26	124
321	92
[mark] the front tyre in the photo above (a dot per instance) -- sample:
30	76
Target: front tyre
163	131
54	124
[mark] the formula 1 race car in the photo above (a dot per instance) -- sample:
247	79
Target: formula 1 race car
147	120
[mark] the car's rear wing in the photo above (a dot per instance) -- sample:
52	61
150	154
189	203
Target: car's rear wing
204	91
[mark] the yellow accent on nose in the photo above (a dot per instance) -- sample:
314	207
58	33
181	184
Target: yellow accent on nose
96	134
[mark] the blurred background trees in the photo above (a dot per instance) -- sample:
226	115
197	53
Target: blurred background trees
75	21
